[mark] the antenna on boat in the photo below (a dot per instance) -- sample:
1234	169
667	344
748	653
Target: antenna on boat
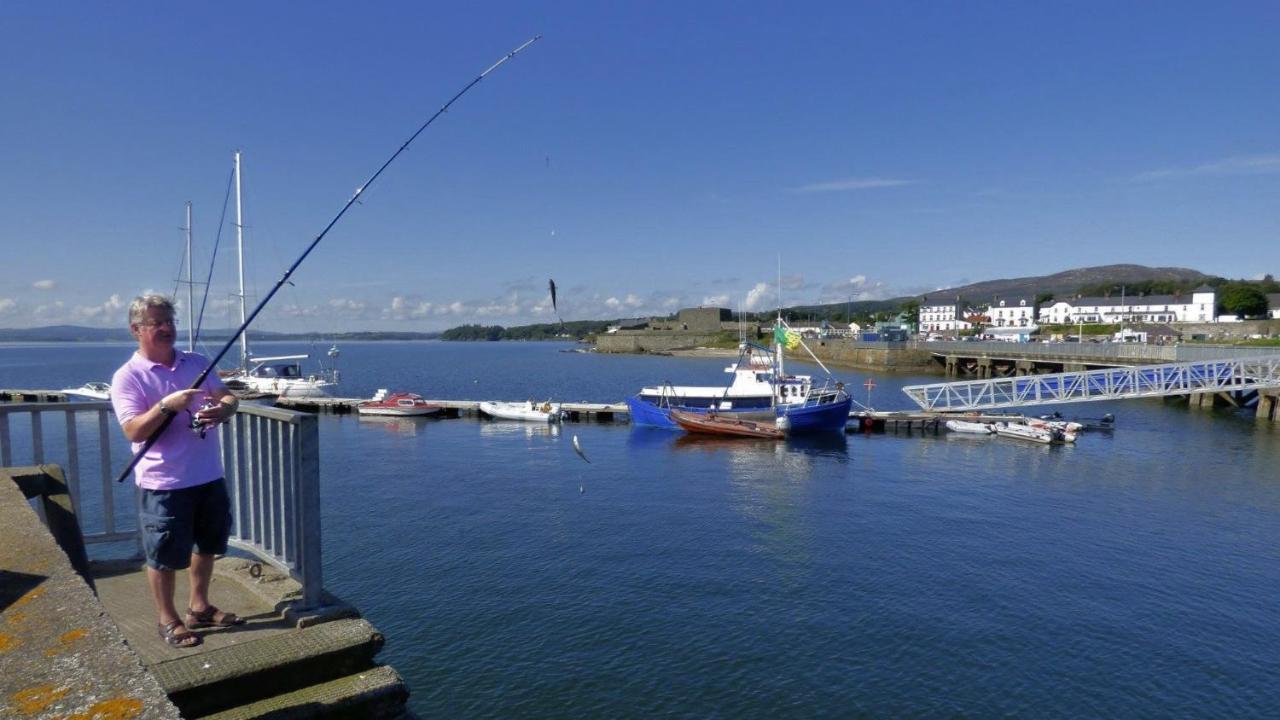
244	336
168	419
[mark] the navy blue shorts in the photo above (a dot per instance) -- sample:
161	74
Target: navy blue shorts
176	522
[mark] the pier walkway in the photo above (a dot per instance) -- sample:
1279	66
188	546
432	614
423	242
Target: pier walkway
303	653
1237	375
575	412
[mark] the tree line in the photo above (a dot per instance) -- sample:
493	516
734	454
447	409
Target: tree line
575	330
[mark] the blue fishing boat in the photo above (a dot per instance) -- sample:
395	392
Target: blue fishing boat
760	390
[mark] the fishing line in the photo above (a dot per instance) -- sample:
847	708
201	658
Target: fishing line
168	419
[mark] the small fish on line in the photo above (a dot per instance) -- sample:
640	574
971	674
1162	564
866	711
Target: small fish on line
578	449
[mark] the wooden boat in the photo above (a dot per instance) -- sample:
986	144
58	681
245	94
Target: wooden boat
399	404
716	424
528	411
1019	431
92	390
971	428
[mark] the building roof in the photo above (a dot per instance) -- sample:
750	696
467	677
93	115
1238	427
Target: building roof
1013	300
1129	301
1273	301
1204	288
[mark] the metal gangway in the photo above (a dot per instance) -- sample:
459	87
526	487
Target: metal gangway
1121	383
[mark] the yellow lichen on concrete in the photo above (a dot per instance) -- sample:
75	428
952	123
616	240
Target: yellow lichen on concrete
34	699
16	617
8	642
113	709
66	640
28	597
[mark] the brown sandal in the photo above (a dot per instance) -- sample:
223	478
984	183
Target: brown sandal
212	617
169	633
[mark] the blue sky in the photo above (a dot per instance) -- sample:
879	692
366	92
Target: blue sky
647	156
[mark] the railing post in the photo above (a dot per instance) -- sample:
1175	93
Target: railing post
307	457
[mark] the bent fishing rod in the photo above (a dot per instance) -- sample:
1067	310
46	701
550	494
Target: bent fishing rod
168	419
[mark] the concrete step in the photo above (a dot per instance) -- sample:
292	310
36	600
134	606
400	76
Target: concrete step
375	693
209	682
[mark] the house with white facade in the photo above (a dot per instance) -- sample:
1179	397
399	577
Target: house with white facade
939	315
1196	307
1011	318
1273	306
1012	312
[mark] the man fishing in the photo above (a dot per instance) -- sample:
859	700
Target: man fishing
184	510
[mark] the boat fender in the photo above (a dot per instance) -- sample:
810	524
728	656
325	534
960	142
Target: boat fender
783	423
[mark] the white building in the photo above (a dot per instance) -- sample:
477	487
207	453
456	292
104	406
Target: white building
1011	319
942	315
1198	307
1017	312
1273	306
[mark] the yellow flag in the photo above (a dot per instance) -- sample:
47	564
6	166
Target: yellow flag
793	340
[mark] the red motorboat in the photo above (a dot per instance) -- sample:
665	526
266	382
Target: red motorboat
399	404
713	424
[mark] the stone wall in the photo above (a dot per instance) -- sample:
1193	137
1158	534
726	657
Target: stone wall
642	341
848	353
1229	331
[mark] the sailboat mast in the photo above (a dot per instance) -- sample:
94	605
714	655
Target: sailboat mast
244	336
191	293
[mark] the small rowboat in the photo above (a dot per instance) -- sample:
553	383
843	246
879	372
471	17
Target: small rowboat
972	428
1019	431
714	424
527	411
399	404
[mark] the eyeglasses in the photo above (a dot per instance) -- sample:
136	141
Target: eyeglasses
157	323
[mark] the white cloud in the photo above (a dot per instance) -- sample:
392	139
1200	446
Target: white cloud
858	287
1238	165
44	284
759	297
849	184
111	311
715	301
8	306
49	312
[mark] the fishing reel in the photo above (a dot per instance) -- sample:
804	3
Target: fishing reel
198	426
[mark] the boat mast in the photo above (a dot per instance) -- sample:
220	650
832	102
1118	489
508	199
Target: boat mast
191	293
778	337
244	336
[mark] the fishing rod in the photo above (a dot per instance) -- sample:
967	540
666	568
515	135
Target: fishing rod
168	419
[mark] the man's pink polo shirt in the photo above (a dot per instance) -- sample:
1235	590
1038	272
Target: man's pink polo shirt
180	458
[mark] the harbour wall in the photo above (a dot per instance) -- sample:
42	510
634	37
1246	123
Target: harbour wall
873	356
652	341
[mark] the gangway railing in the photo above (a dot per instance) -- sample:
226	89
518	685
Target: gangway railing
1107	384
270	457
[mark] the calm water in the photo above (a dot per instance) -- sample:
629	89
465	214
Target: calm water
1133	575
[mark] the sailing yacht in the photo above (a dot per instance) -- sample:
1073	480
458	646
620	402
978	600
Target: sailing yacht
280	375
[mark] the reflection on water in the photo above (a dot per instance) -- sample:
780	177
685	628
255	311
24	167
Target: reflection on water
396	425
514	427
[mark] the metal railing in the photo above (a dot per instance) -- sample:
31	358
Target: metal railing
271	458
1111	384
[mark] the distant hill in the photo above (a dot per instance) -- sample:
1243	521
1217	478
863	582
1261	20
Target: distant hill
1062	284
1069	282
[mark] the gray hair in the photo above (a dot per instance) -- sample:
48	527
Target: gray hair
138	308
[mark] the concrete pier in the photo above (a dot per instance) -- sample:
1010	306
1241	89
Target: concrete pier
70	652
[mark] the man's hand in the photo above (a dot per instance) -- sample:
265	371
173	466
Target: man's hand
178	401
